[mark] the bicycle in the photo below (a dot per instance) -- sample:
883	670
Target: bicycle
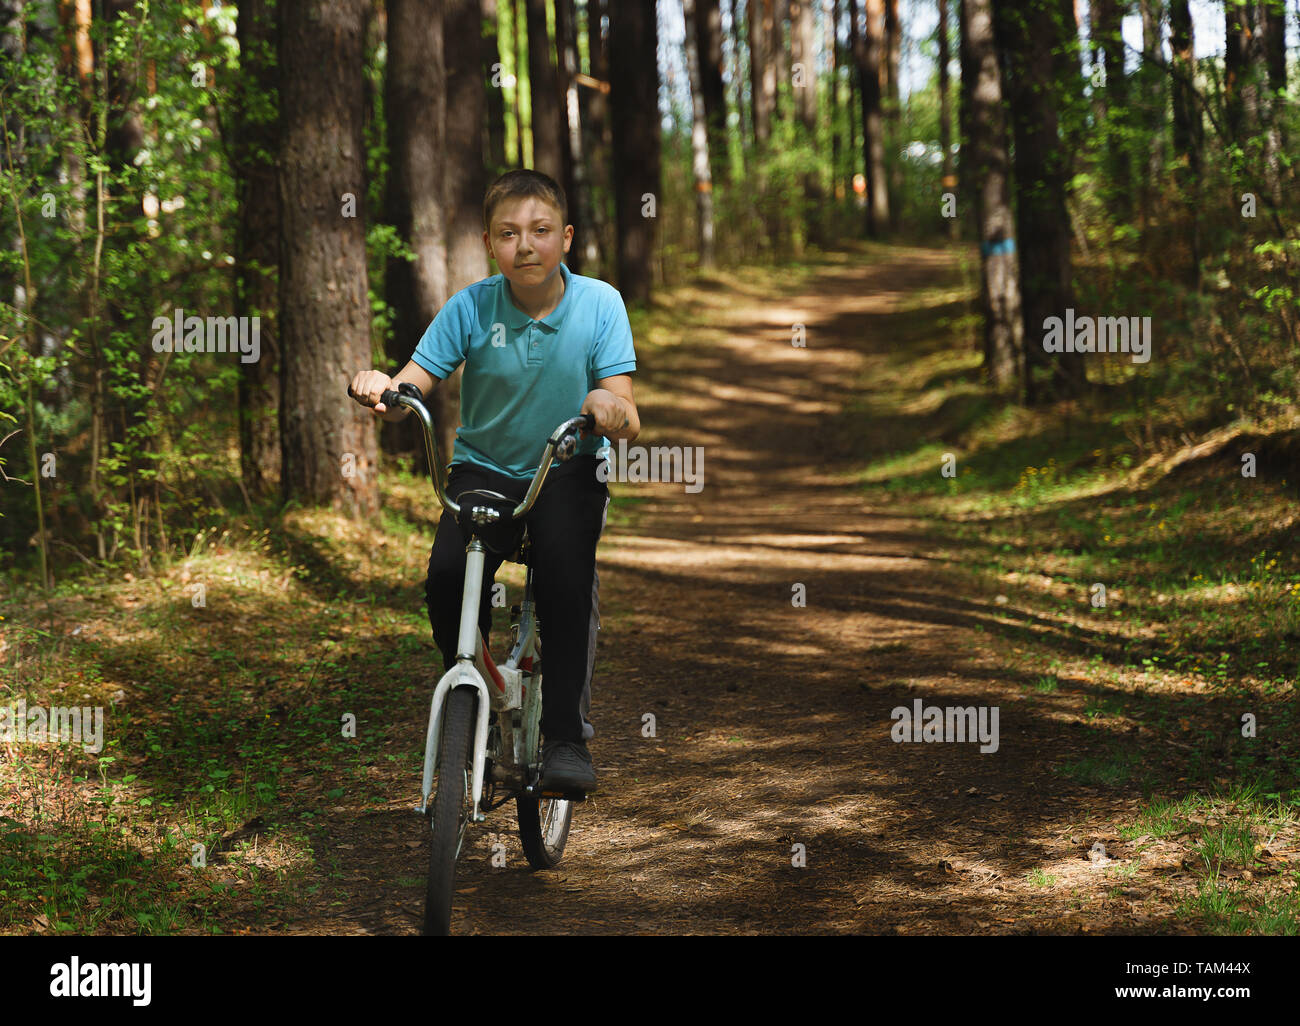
480	734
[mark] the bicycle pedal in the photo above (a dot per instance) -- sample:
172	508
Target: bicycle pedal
573	796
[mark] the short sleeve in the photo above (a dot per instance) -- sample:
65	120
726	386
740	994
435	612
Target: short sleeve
613	352
445	341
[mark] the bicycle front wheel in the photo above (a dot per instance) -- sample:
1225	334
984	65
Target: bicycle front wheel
452	805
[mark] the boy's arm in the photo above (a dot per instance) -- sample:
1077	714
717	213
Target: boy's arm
614	407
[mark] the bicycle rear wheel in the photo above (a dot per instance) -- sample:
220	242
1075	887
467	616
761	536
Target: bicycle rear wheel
543	829
452	805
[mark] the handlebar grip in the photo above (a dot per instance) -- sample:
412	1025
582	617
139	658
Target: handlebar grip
589	421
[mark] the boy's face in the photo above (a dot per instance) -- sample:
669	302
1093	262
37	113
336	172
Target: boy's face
528	239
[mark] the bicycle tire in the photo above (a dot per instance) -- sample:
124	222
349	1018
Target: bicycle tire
451	810
543	829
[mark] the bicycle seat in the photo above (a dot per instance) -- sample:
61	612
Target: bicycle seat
486	515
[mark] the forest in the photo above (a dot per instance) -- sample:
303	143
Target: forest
986	312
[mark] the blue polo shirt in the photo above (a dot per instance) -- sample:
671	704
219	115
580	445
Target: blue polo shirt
523	377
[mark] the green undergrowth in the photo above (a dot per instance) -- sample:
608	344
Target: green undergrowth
1122	565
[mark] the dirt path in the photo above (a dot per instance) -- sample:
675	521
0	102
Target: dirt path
773	721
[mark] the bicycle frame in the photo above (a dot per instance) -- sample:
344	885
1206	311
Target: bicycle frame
508	693
473	663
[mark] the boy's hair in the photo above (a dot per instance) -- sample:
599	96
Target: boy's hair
520	183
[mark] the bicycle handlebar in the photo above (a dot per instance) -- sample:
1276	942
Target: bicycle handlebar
561	444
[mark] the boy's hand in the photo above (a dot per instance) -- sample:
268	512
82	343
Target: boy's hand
609	410
370	385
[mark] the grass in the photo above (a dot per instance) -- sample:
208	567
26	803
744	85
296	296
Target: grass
223	726
1154	600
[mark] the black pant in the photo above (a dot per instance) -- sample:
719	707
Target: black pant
564	526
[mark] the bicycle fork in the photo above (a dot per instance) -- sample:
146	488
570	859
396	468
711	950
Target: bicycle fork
463	674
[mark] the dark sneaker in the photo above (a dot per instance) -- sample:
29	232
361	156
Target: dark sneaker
566	766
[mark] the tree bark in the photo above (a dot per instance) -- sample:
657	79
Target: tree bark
739	69
1154	93
547	118
495	97
830	42
466	114
583	253
257	245
762	72
599	142
986	161
866	41
1030	34
634	78
417	202
779	51
465	180
1187	131
948	181
327	442
805	106
892	109
700	169
708	46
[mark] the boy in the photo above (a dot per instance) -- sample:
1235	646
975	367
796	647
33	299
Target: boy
540	345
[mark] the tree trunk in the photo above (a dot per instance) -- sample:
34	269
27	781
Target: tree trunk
495	92
1272	46
465	181
893	109
779	51
948	181
700	169
805	106
1028	32
595	123
327	442
986	161
867	42
634	78
417	203
1187	130
466	113
708	47
739	57
830	41
762	72
1153	89
852	120
257	245
584	254
547	119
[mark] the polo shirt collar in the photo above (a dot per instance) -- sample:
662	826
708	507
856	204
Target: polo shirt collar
518	319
